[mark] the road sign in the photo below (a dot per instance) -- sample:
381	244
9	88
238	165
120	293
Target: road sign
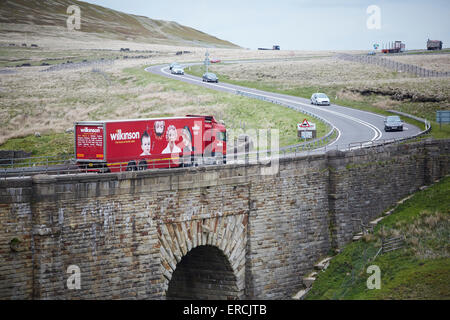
306	134
306	130
442	116
305	125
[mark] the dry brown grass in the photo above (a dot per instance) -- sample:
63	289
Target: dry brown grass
33	101
427	236
436	62
350	81
393	92
307	72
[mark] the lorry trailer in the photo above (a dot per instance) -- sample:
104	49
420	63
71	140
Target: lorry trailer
141	144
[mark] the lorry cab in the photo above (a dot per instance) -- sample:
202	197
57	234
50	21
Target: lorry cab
215	138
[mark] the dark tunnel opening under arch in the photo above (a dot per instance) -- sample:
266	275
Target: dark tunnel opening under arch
204	273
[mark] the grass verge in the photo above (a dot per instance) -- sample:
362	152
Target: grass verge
420	270
52	144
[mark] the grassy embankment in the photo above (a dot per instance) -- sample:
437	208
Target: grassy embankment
147	95
420	270
368	88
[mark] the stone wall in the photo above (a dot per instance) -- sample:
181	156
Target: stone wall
364	183
129	232
16	263
288	227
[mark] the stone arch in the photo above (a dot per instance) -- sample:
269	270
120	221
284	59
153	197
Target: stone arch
228	234
204	273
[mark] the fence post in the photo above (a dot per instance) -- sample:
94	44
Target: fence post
235	149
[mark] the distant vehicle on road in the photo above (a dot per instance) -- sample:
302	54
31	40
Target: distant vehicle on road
320	99
394	47
371	53
393	123
173	65
177	69
215	60
434	44
210	77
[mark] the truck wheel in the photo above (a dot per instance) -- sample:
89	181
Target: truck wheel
197	161
131	166
219	158
142	165
104	170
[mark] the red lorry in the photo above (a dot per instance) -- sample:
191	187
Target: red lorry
128	145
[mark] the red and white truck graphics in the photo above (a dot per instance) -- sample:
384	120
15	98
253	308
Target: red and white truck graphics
119	145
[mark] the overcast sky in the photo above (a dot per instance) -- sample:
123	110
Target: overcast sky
303	24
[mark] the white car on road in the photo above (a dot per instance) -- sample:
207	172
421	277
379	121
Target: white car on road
177	70
320	99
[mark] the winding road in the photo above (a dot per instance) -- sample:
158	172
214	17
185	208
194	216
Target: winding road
353	126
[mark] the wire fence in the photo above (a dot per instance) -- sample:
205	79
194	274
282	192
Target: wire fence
391	244
391	64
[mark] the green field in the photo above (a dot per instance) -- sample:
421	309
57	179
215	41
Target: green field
420	270
52	144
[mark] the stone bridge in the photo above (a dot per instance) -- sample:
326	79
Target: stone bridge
216	232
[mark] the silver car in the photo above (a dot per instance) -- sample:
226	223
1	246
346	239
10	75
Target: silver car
210	77
320	99
177	70
393	123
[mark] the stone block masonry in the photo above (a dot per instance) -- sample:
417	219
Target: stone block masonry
222	232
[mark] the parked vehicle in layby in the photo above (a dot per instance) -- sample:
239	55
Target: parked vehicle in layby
320	99
129	145
210	77
393	123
